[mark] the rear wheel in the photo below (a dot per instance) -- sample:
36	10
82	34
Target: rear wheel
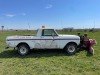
23	49
71	48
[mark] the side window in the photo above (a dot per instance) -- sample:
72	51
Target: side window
48	32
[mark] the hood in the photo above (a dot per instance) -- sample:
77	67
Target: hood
70	36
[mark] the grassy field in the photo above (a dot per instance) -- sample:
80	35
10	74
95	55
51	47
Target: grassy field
48	62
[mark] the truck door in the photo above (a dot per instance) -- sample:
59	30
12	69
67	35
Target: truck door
49	39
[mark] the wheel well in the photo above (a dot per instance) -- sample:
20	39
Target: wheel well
70	43
22	43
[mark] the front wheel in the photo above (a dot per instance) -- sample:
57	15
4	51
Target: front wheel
23	49
71	48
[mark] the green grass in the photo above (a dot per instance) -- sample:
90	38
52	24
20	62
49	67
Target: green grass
48	62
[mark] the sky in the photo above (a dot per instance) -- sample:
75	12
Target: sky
32	14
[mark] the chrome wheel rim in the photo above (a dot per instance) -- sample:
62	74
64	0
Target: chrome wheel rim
71	48
23	50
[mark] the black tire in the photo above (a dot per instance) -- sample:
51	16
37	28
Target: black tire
23	49
71	48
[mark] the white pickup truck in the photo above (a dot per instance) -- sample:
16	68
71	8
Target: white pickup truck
45	39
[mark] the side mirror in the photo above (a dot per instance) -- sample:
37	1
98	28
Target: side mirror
53	34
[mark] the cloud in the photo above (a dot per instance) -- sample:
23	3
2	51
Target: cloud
23	14
49	6
10	15
13	15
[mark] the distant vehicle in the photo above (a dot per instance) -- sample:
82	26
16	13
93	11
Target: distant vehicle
45	39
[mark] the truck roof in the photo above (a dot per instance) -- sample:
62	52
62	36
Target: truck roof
39	33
